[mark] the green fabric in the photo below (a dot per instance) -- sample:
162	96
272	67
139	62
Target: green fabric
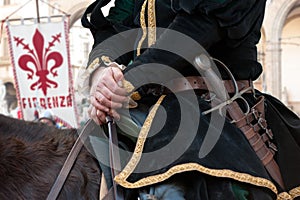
121	10
240	193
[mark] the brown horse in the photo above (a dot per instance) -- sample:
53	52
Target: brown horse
31	156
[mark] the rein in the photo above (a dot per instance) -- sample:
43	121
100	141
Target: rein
65	170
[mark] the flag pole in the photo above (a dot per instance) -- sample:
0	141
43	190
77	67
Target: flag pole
37	10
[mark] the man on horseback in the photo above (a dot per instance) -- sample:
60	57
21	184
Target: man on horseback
180	135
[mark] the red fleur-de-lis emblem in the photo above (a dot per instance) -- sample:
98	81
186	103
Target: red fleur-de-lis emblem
40	57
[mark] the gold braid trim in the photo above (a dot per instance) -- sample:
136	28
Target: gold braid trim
143	25
295	192
284	196
151	22
127	86
94	64
292	194
136	96
221	173
137	154
106	60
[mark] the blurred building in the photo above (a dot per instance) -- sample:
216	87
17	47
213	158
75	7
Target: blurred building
278	51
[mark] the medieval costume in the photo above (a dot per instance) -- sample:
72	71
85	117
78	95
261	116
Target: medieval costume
229	31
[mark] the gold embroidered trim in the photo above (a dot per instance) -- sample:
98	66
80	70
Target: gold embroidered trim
94	64
136	96
131	165
292	194
127	86
151	22
143	25
108	63
284	196
223	173
295	192
106	60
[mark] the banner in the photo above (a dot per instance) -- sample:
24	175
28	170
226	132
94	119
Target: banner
42	70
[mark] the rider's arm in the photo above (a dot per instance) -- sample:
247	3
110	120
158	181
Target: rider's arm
207	24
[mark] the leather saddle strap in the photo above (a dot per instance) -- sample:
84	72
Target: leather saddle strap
256	141
65	170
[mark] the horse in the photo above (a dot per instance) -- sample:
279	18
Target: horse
31	157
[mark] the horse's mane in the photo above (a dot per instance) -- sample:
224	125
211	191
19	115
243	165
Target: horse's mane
31	156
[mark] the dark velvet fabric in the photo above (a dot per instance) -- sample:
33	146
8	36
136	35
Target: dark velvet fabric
232	151
286	129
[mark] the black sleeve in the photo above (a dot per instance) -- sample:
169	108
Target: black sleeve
104	28
109	42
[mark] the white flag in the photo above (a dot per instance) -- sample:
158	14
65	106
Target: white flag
42	70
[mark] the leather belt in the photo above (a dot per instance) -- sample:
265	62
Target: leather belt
198	82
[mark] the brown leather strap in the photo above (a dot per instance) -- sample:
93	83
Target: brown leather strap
255	139
236	114
198	82
65	170
256	112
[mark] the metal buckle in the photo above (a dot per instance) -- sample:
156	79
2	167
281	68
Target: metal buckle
269	133
256	114
272	146
262	123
